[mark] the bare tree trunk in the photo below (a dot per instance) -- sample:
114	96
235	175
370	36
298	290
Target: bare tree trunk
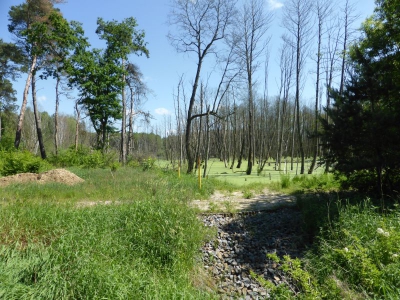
241	153
56	116
234	133
198	148
251	129
293	136
298	127
78	116
322	10
37	119
130	125
207	142
123	123
24	103
189	154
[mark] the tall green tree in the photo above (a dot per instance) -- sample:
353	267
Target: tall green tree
22	17
364	133
99	83
122	39
62	37
100	74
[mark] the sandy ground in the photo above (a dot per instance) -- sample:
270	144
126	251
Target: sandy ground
56	175
236	202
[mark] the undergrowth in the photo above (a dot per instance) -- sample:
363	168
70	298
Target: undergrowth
142	246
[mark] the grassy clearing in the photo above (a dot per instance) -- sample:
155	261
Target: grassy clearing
238	178
144	247
126	184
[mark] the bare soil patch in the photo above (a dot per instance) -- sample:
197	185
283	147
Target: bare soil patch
56	175
237	202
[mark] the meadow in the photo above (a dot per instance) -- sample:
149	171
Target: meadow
237	176
143	246
128	233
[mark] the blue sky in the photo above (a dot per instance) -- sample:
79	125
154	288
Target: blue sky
164	67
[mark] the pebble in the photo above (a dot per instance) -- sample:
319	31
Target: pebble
243	240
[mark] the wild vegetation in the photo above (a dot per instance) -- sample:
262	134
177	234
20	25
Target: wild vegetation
127	232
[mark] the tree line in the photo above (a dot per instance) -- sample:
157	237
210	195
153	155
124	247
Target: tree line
236	36
349	126
48	46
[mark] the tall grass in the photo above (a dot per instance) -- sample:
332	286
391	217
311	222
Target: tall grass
358	257
355	252
305	183
126	184
142	247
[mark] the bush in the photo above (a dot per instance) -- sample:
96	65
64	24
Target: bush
70	157
146	163
84	157
15	162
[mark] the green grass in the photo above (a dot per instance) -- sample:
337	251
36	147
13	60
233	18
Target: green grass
143	247
355	252
126	184
238	178
358	257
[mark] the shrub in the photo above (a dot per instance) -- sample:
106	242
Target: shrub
148	164
14	162
84	157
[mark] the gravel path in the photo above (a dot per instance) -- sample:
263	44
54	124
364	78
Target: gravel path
241	245
237	202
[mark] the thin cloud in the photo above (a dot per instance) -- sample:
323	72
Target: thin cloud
162	111
274	4
42	98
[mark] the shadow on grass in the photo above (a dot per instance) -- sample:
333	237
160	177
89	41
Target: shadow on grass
320	210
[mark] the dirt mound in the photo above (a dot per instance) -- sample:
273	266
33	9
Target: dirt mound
56	175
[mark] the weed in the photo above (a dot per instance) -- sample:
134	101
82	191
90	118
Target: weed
247	194
141	248
229	207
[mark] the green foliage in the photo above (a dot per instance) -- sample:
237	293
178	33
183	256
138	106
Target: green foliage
361	249
276	292
148	164
14	162
94	160
115	166
141	247
99	74
247	194
7	143
285	181
303	280
70	157
139	251
84	157
306	183
363	131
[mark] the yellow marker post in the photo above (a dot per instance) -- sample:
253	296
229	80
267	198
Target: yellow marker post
199	172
